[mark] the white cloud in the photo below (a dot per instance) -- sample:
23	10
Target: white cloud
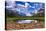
20	5
12	4
30	6
33	7
28	14
9	7
26	4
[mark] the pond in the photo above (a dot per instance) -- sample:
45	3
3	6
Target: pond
26	21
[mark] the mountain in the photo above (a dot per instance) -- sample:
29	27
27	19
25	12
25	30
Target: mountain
22	8
41	12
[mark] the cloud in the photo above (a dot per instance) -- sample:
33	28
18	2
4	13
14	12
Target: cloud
24	8
20	5
28	14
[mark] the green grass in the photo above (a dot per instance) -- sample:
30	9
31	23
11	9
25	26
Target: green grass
24	18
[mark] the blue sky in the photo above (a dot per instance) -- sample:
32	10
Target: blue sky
34	5
18	2
30	6
25	8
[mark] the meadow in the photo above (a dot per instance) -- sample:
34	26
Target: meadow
25	18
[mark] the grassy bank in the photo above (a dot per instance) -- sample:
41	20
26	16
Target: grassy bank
24	18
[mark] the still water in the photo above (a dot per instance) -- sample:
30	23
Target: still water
26	21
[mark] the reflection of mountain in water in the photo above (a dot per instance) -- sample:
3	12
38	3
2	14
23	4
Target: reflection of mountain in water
26	21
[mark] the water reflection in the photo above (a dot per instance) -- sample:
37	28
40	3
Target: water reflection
26	21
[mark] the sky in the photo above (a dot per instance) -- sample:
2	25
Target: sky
26	8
